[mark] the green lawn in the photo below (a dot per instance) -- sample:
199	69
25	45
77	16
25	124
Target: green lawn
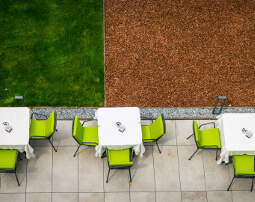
52	52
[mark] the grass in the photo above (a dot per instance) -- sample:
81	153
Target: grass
52	52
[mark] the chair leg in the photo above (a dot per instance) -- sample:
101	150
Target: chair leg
158	147
252	184
19	157
76	151
108	175
52	145
216	154
231	183
194	153
189	136
17	179
130	174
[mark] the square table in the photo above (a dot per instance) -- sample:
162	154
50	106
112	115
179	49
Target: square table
19	119
233	140
109	135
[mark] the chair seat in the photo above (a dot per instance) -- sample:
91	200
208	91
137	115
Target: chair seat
146	133
37	128
7	159
244	165
90	134
119	157
210	137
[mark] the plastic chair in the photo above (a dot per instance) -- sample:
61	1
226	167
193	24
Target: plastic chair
43	130
206	139
84	135
243	168
8	161
155	131
120	159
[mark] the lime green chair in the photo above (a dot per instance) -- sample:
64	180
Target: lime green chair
84	135
8	161
43	130
155	131
243	168
206	139
120	159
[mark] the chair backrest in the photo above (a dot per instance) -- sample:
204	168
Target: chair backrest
158	127
120	157
8	159
50	125
243	164
77	130
196	134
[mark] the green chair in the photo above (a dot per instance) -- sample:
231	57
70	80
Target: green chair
120	159
206	139
243	168
155	131
43	130
84	135
8	161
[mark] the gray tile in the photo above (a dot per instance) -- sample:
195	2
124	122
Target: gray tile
142	196
65	170
120	197
191	172
169	138
39	171
90	171
38	197
168	196
243	196
184	128
142	172
65	197
166	167
194	196
91	197
13	197
219	196
217	176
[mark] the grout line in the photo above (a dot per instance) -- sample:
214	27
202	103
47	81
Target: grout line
154	172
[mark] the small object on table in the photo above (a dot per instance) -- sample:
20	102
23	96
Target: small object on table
120	126
247	133
7	127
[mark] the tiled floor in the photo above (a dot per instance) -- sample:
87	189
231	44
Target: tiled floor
170	176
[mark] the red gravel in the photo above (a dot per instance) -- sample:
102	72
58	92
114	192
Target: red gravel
162	53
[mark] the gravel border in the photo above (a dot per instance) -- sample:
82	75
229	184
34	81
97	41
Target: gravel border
169	113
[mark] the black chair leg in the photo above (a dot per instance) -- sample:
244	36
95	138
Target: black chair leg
108	175
52	145
76	151
158	147
189	136
194	153
17	179
252	184
130	174
19	157
216	154
231	183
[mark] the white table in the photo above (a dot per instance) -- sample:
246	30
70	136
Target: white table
19	119
233	141
109	135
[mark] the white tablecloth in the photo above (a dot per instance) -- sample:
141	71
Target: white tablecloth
233	141
19	119
109	135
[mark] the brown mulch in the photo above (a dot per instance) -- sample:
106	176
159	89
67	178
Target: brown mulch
162	53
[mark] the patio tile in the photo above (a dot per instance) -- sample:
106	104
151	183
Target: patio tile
8	180
39	171
191	172
184	130
142	196
166	169
216	176
244	196
65	197
142	172
194	196
168	196
65	170
90	171
38	197
219	196
91	197
169	138
120	197
13	197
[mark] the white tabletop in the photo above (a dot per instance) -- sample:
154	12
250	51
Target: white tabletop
19	119
233	141
109	135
